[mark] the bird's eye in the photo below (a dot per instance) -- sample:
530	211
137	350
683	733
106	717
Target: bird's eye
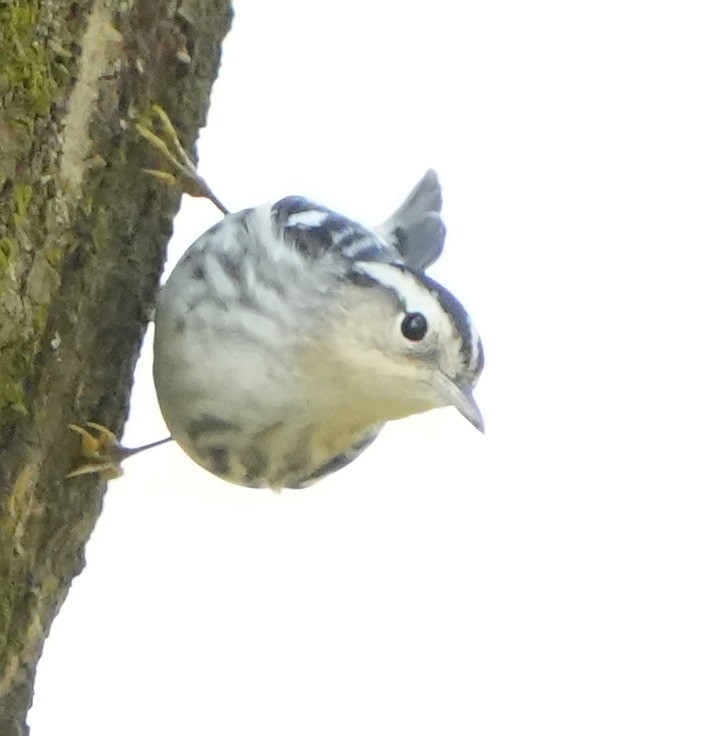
414	326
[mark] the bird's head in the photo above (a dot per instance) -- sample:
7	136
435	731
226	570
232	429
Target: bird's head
402	344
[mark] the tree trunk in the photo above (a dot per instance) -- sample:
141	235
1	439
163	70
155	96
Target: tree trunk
83	233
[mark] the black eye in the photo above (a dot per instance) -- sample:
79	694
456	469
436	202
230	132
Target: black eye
414	326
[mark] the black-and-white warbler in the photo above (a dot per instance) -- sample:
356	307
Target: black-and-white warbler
287	335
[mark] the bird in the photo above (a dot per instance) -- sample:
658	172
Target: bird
288	335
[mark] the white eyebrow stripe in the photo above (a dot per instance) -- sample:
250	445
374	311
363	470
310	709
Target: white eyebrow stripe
414	296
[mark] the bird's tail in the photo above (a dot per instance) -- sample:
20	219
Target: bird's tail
416	229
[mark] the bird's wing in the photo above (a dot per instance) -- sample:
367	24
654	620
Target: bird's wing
315	230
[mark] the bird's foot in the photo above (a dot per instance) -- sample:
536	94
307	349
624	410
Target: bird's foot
100	451
187	178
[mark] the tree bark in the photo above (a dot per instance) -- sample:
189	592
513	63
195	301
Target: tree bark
83	233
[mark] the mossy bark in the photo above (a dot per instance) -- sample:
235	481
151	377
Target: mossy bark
82	242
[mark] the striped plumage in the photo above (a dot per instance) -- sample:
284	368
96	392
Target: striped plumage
281	345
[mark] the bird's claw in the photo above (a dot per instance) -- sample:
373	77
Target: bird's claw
169	147
100	451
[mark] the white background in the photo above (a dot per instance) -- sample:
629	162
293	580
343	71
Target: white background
543	579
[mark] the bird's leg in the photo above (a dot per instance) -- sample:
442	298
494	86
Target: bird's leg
101	452
169	147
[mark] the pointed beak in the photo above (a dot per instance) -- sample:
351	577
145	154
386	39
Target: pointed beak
460	398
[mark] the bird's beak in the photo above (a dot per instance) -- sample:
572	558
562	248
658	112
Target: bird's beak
460	398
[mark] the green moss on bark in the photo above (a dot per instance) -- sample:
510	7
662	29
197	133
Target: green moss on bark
82	238
35	72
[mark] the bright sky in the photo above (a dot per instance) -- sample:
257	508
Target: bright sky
543	579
